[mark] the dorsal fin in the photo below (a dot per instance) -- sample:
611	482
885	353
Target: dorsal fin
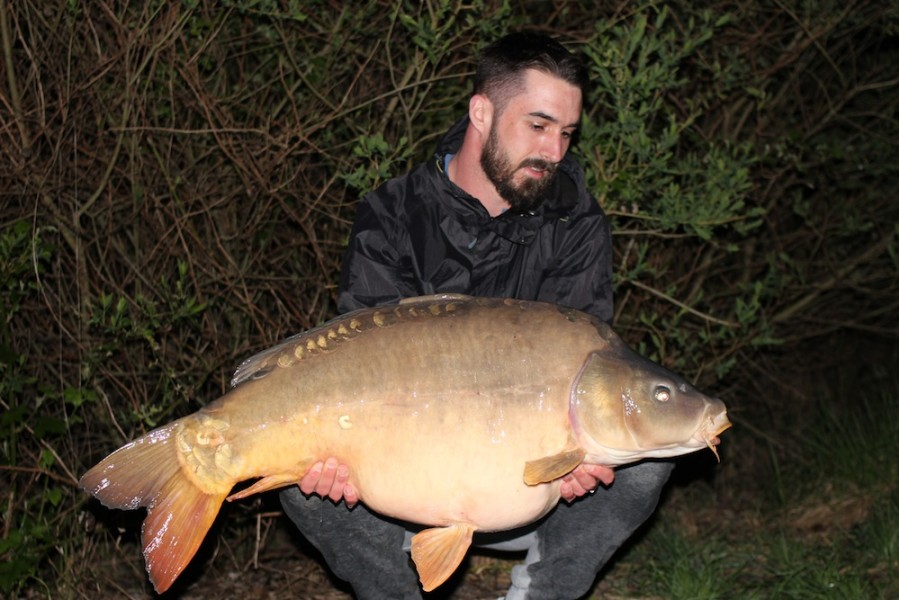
262	363
332	334
437	298
288	351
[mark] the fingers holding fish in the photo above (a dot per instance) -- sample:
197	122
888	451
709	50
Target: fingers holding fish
329	479
584	479
600	473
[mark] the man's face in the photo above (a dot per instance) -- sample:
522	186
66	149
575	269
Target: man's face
529	137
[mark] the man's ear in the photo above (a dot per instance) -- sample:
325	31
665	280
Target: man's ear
480	113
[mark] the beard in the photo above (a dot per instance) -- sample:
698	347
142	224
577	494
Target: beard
522	197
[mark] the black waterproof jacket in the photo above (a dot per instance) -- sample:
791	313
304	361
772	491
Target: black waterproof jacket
420	234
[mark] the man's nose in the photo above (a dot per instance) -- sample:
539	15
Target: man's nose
554	148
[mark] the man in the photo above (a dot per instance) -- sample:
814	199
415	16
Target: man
499	211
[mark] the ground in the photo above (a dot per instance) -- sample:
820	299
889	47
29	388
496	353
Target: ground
276	565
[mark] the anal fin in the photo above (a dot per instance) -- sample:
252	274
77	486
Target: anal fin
552	467
438	551
265	484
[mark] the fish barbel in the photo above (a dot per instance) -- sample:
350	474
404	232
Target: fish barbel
454	412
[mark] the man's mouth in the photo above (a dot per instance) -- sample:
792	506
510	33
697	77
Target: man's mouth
537	167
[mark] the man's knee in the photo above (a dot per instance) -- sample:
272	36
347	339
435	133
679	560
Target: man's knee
648	477
305	511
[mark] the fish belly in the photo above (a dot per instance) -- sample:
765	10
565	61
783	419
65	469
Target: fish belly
430	459
441	468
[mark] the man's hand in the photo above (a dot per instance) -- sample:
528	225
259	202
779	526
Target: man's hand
329	480
584	479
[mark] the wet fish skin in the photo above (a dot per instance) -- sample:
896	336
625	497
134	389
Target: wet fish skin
412	397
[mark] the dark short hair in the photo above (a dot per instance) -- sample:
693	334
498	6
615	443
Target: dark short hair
502	65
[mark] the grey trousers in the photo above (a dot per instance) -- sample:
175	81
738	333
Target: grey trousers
570	547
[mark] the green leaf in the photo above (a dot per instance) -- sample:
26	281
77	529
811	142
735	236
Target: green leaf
54	495
78	396
45	425
47	459
13	416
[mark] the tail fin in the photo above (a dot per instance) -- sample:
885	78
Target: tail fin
147	472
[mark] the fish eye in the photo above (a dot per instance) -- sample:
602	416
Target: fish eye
662	394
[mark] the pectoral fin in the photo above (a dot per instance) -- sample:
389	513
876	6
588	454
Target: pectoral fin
552	467
437	552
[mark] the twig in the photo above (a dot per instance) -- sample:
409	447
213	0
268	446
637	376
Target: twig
38	471
14	96
803	303
681	305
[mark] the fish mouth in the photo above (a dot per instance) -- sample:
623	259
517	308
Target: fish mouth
713	427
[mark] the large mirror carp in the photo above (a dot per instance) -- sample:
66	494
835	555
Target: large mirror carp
453	412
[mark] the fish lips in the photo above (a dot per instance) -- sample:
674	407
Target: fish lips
714	426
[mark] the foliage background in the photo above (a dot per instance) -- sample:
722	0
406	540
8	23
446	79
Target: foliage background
177	182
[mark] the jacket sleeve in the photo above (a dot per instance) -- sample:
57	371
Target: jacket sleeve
374	270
